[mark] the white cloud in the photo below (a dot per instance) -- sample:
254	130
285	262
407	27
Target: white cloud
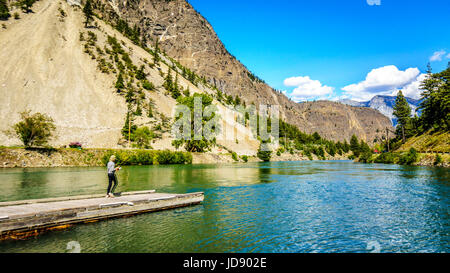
306	88
448	56
381	81
413	90
437	56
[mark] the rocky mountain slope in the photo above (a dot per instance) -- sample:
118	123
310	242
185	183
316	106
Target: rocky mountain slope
44	69
56	66
385	104
52	64
188	37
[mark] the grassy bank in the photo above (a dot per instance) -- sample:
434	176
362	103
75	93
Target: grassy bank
430	142
411	157
428	149
50	157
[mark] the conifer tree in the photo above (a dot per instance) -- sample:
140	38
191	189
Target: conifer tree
128	131
120	84
403	113
435	104
150	109
4	11
25	4
168	81
88	13
354	146
176	89
156	53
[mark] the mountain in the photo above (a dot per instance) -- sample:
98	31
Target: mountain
385	104
54	65
188	37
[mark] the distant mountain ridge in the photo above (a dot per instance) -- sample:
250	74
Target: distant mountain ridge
384	104
73	81
185	35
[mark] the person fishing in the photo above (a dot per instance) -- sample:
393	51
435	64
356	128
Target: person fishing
112	169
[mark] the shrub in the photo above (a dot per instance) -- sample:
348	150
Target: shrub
366	157
234	156
142	137
4	11
437	160
145	157
148	85
410	158
387	158
308	154
244	158
280	151
264	154
321	152
34	130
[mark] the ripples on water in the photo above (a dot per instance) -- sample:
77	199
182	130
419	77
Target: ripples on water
271	207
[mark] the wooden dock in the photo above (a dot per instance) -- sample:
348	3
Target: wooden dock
21	219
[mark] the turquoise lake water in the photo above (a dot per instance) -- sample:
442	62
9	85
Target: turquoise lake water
281	207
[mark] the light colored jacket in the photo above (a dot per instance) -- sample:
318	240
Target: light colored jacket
111	167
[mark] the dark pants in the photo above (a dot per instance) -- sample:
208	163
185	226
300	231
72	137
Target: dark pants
112	178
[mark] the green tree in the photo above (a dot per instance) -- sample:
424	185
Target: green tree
364	147
4	10
345	146
316	137
138	111
140	73
127	131
402	112
150	109
168	81
203	144
148	85
264	153
354	146
176	88
408	159
171	85
237	100
119	83
187	92
25	5
142	137
88	12
156	53
34	130
435	103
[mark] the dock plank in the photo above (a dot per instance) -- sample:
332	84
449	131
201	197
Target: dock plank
24	216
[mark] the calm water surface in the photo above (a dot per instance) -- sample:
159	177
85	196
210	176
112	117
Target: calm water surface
270	207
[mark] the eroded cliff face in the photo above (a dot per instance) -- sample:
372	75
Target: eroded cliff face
45	68
188	37
52	64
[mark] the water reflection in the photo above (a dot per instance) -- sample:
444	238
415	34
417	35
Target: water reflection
269	207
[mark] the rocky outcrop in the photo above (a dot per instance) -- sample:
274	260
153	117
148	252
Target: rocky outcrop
188	37
45	68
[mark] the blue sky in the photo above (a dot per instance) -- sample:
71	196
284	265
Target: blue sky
310	48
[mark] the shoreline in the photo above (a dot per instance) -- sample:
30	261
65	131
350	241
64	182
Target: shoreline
18	157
